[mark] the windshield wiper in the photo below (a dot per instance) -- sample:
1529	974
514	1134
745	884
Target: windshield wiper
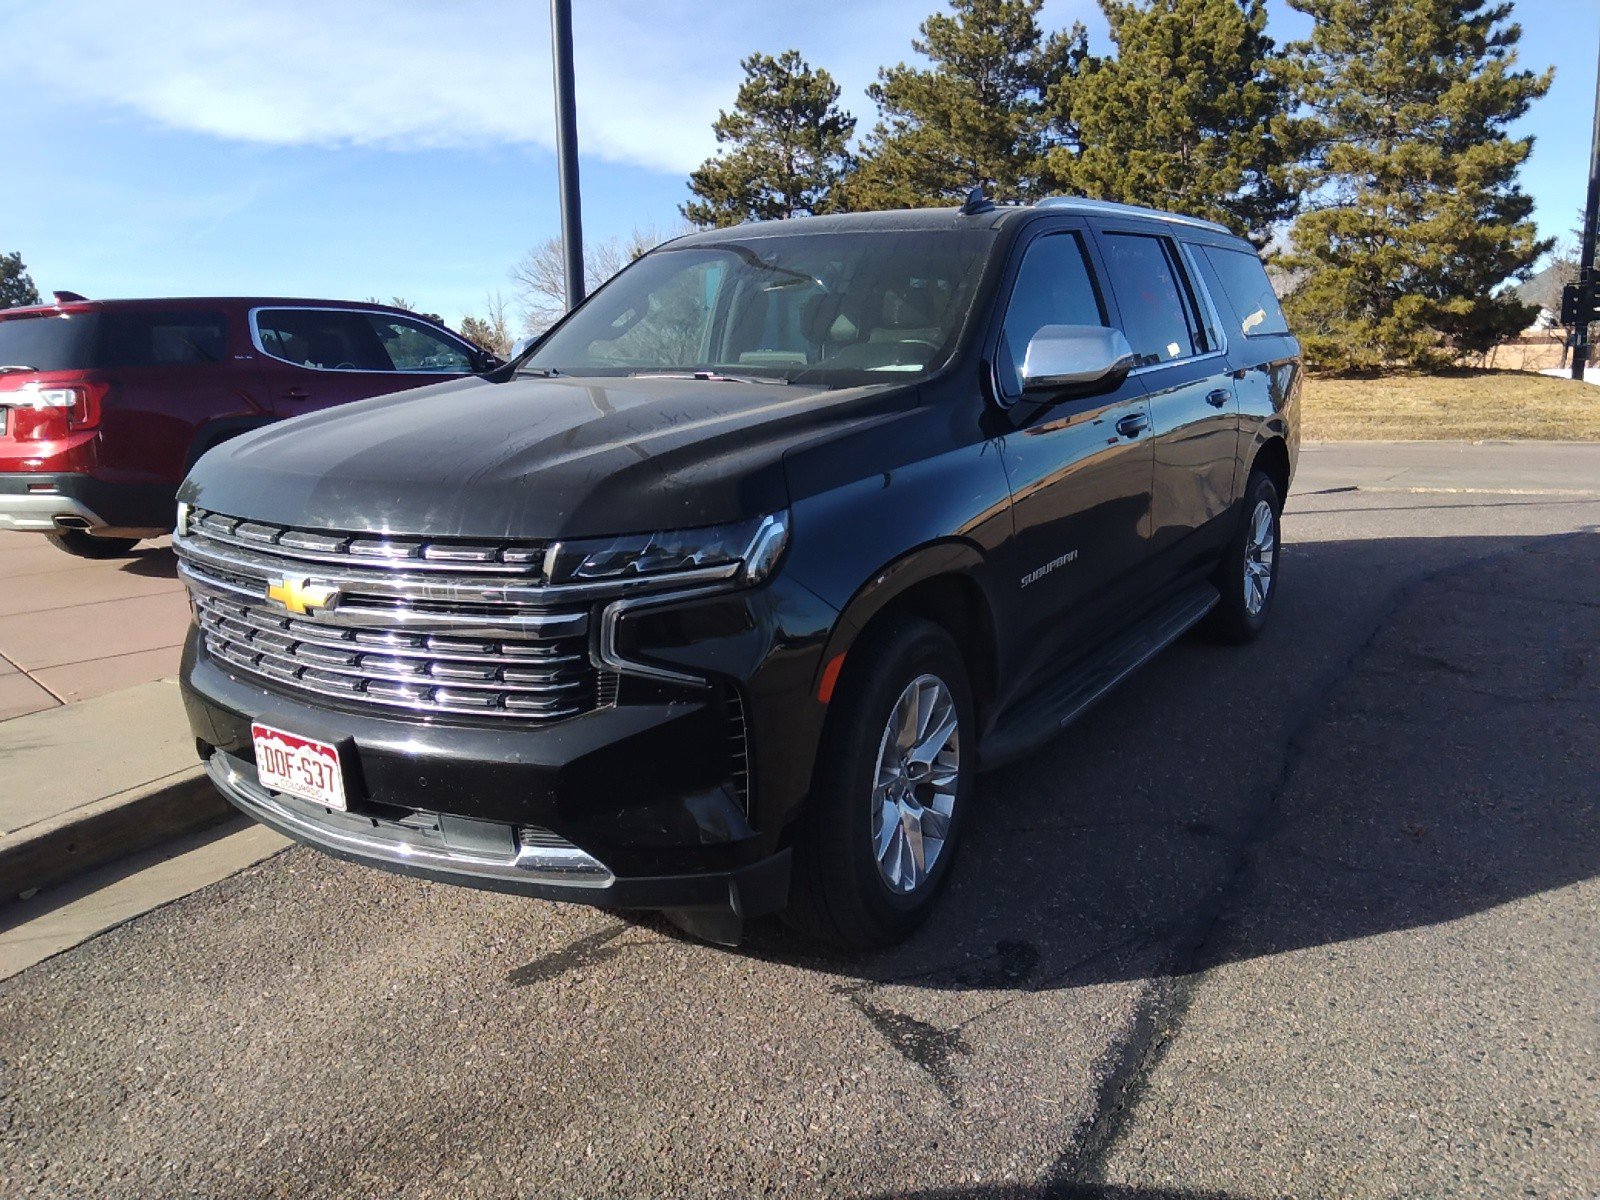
539	372
705	377
16	367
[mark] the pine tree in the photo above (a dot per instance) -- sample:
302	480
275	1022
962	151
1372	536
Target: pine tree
782	149
16	285
1191	115
976	116
1417	216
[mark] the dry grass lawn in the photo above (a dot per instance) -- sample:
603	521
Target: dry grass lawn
1465	406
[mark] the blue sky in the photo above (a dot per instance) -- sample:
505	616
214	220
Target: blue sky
352	148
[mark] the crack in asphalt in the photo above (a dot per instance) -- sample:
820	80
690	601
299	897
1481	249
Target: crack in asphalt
1131	1060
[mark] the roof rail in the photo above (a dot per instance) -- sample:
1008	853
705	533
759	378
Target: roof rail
1112	208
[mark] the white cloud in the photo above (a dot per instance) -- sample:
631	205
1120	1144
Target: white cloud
411	74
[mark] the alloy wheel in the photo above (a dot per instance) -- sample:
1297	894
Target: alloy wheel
914	789
1260	557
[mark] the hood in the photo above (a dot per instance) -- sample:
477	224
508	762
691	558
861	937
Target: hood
533	458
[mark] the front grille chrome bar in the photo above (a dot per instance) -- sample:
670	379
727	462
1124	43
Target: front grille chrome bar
460	588
352	614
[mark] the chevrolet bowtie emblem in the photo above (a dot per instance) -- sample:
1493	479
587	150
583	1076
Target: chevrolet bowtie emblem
300	595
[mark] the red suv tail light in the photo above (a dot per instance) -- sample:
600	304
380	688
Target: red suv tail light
44	413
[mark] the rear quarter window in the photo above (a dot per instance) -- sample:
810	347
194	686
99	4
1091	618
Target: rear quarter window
1247	291
164	338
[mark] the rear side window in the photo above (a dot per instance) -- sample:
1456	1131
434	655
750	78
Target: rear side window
334	339
1053	287
50	341
1156	313
1247	291
162	338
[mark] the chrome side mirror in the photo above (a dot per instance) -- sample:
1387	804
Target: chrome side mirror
1075	356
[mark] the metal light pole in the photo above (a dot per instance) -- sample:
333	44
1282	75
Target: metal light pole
1586	271
567	150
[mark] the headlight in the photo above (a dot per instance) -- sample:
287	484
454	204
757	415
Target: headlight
748	549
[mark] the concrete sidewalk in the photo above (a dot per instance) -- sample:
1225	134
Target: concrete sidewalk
73	628
85	783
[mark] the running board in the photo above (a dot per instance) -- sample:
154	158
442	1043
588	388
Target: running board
1035	718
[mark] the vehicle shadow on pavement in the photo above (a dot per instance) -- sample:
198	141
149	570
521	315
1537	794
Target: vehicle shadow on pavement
1444	767
155	562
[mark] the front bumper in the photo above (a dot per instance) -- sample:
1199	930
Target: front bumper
45	512
43	502
490	855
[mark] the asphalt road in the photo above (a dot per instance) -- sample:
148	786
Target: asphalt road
1317	917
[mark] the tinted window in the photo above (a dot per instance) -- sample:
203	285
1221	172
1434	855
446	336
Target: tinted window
51	342
1155	311
415	346
159	338
1247	291
336	339
832	308
1053	287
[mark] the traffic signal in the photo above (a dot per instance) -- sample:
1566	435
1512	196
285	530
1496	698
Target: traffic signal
1570	314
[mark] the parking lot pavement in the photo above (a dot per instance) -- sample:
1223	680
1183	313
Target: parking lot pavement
1313	917
72	628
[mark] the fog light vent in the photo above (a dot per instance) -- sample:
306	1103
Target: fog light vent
543	839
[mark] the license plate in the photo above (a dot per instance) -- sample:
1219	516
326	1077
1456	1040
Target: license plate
300	766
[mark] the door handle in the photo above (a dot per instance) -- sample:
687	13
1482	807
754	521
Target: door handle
1133	425
295	393
1219	397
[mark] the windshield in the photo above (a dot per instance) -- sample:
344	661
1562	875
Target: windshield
50	341
834	309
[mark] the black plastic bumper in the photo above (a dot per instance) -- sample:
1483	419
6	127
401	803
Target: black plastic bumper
467	853
643	788
32	500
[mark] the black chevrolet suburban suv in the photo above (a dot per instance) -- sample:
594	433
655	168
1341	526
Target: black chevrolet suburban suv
715	599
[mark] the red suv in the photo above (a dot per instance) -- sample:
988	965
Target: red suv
106	404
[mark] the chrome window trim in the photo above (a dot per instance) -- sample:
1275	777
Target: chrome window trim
1174	362
1197	280
255	339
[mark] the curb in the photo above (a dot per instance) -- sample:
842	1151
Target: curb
55	850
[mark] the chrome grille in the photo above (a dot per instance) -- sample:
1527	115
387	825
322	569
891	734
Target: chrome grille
415	624
524	560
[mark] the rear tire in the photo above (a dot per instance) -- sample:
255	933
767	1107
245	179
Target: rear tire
890	791
83	545
1247	576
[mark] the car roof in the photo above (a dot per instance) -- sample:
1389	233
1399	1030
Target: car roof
907	219
233	302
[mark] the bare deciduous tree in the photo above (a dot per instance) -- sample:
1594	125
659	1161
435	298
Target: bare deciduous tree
492	331
540	281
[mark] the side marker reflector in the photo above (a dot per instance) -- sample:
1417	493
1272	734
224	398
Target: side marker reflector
830	677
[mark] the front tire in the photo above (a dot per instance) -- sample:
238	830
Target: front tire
1247	576
893	782
83	545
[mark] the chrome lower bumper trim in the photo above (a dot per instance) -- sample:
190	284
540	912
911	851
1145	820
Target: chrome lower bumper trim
36	512
385	842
